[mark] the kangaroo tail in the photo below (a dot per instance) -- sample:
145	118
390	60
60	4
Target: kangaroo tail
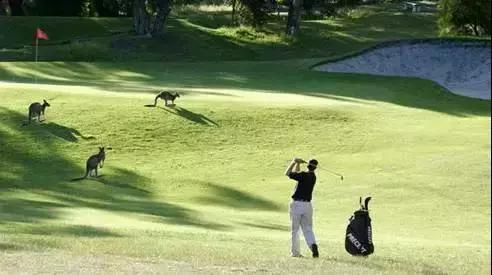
84	177
28	118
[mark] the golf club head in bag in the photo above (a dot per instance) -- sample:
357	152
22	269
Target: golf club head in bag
358	237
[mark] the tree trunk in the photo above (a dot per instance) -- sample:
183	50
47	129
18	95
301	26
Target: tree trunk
16	7
233	15
4	7
163	10
25	10
141	17
294	17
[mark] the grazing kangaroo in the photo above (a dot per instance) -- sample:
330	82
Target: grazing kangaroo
93	162
165	95
37	109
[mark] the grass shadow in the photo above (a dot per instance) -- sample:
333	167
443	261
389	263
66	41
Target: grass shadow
189	115
276	227
122	179
65	133
34	175
234	198
8	246
68	230
334	97
261	76
28	210
209	93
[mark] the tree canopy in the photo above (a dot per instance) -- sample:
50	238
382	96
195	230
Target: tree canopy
469	17
465	17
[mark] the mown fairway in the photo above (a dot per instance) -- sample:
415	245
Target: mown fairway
201	188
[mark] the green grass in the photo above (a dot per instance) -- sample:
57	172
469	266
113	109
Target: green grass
194	34
199	188
18	31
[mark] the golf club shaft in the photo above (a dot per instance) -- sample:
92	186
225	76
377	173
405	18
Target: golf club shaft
334	173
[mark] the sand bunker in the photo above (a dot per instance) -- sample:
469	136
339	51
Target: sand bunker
463	67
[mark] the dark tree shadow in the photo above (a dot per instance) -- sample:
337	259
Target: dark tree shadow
31	163
68	230
295	76
210	93
28	210
262	225
156	211
230	197
83	231
343	99
189	115
64	132
121	179
9	246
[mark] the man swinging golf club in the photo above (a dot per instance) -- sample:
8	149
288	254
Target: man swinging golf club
301	210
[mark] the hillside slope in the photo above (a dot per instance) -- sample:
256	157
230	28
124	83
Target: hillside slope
204	35
199	187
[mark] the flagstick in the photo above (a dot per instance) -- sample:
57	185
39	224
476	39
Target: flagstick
37	42
36	49
35	76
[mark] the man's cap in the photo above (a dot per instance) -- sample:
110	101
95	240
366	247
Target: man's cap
313	162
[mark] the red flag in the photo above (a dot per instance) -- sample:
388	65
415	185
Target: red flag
40	34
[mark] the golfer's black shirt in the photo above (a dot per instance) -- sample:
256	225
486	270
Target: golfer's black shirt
305	185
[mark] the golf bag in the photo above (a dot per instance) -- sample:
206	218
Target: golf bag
358	237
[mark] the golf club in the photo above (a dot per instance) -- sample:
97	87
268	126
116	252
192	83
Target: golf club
341	176
333	173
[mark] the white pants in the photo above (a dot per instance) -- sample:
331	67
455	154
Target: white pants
301	215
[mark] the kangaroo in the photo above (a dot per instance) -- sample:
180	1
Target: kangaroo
165	95
37	109
93	162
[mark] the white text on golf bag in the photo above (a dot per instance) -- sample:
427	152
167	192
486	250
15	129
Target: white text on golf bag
356	242
369	234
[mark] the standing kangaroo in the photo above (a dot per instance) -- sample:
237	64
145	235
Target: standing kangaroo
93	162
165	95
37	109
